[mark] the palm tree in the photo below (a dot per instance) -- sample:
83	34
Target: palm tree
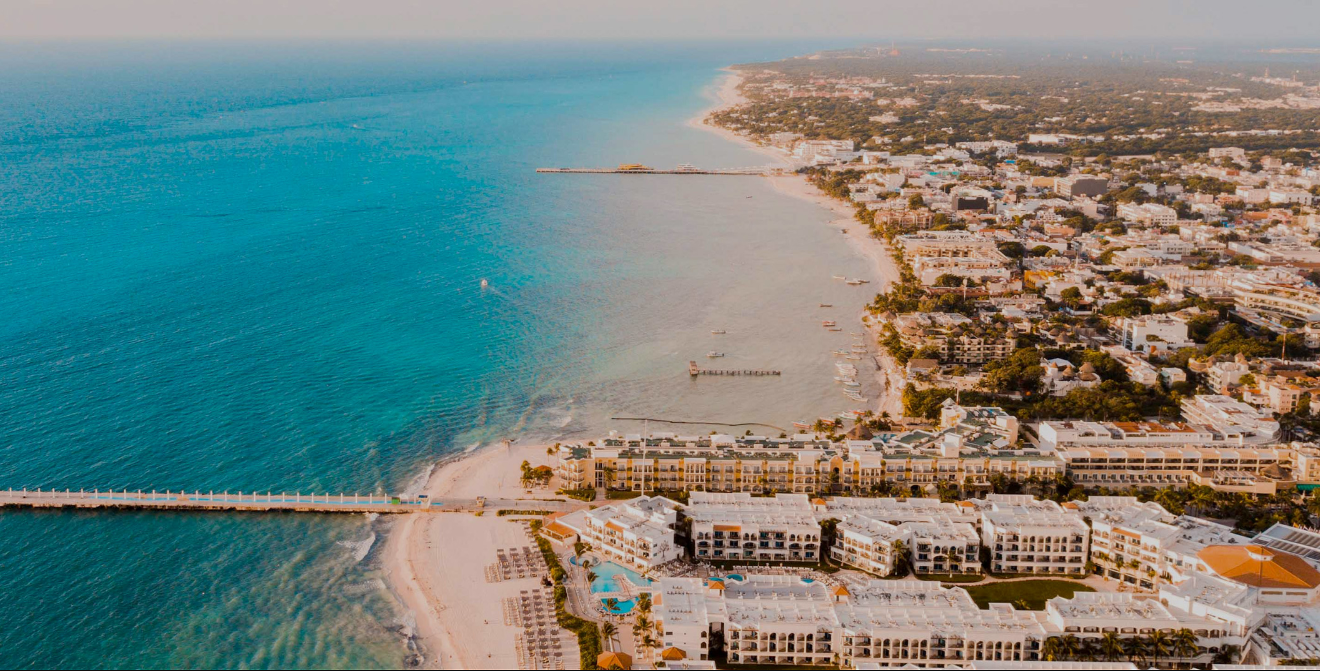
1070	646
1136	649
591	576
644	603
1159	645
610	604
900	558
1111	645
1185	644
1052	650
607	631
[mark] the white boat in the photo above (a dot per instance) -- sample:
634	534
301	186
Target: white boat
839	277
718	332
801	425
714	355
827	323
839	378
854	357
840	352
854	282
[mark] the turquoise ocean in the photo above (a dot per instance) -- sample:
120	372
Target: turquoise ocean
252	267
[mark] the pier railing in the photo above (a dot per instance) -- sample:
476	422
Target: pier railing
197	499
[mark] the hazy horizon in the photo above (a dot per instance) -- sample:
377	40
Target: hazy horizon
680	19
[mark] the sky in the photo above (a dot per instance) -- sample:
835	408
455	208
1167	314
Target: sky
1293	21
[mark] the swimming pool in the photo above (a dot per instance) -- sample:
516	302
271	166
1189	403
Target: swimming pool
620	607
607	577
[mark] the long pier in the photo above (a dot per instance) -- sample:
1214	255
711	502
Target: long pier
694	370
625	171
124	499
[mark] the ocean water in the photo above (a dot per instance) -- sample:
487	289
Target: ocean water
247	267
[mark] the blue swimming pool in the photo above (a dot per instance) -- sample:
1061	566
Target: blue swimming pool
607	578
620	607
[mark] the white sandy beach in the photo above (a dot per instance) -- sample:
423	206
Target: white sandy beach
436	561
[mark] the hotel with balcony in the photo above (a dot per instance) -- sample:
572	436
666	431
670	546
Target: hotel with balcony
1145	546
1024	535
739	527
638	533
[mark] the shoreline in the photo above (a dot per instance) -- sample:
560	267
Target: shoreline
438	585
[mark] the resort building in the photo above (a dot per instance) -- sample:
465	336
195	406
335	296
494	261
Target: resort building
1154	333
979	443
878	624
638	533
1167	466
1231	418
937	546
1024	535
955	337
739	527
1143	545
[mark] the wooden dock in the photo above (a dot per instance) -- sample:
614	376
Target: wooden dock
694	370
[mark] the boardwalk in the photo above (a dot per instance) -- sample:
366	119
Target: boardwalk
261	502
754	171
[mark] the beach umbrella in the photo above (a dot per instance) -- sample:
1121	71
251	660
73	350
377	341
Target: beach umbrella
613	660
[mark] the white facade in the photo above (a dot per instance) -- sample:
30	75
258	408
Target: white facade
1154	333
638	533
740	527
1024	535
1231	417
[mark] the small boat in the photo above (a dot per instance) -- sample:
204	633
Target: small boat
840	352
836	329
714	355
827	323
484	283
801	425
826	305
718	332
838	277
839	378
854	282
854	357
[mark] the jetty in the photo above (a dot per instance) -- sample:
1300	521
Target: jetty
124	499
694	370
625	170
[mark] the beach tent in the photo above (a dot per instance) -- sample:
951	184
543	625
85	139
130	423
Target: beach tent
672	654
613	660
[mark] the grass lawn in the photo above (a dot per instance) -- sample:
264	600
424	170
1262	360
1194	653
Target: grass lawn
1033	593
951	577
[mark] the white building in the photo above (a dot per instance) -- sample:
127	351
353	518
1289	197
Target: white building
738	526
638	533
1154	333
1145	546
1231	418
1024	535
